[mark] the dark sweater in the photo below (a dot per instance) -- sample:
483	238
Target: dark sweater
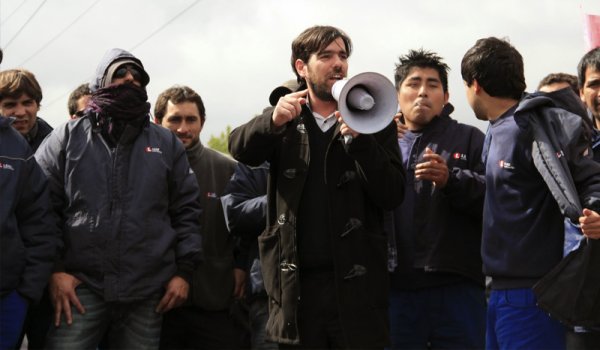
212	283
314	241
38	133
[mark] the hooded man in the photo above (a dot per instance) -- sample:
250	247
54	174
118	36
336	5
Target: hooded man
130	215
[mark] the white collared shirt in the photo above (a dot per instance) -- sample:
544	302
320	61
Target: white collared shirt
324	123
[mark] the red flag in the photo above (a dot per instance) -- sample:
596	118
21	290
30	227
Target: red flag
591	31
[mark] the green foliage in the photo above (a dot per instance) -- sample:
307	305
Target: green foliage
220	142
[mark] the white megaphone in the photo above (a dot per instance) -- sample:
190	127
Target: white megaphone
367	102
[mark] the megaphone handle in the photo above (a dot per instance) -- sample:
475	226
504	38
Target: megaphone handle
348	139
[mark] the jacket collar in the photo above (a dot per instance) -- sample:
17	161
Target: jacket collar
195	152
440	120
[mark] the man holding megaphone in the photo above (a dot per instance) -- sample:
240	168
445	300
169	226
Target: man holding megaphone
324	252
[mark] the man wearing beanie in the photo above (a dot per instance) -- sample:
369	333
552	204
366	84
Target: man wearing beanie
129	208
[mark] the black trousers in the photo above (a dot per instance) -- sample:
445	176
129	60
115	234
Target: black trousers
319	323
40	318
583	341
194	328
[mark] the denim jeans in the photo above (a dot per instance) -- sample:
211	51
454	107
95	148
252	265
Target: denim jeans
132	325
444	317
515	322
13	308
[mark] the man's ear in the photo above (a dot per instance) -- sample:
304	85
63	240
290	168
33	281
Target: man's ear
476	87
301	68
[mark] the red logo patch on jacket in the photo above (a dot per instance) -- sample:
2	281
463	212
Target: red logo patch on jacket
460	156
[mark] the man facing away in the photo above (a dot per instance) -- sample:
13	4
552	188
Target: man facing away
204	322
437	296
523	229
20	97
324	251
129	209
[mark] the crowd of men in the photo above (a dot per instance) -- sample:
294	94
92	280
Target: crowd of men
124	231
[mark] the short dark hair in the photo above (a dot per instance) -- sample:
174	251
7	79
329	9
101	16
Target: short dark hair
497	66
16	82
421	59
178	94
79	92
313	40
590	59
555	78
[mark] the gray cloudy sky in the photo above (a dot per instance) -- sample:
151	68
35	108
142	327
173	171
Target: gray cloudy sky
234	52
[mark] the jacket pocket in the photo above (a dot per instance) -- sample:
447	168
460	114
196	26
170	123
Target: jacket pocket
269	247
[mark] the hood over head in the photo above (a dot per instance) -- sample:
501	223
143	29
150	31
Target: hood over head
112	60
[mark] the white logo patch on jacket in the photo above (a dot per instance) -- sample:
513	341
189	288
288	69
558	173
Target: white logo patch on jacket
6	166
153	150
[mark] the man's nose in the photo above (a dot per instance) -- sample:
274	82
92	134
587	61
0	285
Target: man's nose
129	76
19	110
337	61
183	128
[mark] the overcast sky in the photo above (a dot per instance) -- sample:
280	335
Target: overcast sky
234	52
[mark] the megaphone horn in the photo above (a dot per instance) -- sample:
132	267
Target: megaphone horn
367	102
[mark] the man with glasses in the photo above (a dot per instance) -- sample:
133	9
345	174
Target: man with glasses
130	216
78	101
